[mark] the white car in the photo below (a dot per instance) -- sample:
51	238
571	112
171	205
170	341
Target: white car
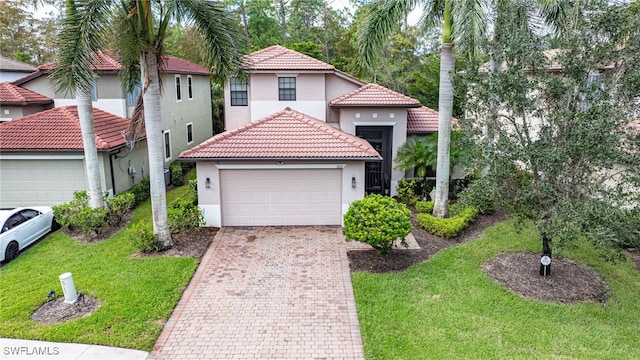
21	227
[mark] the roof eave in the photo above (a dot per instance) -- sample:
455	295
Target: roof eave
376	105
194	159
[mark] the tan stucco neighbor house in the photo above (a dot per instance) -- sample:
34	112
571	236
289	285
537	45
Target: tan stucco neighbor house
303	141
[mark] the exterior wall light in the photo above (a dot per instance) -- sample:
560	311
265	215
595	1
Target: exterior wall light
207	183
353	182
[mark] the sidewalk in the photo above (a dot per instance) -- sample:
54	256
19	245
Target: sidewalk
14	349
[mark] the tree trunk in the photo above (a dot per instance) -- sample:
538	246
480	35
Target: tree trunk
546	245
283	20
245	24
445	110
92	167
153	125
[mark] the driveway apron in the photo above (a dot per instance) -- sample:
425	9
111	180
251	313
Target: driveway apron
267	293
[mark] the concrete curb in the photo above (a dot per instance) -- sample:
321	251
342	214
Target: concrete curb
35	350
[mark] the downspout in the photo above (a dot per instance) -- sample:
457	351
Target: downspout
113	178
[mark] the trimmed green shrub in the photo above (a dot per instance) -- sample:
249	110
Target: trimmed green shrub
90	220
117	206
141	236
177	175
478	195
424	207
449	227
184	213
406	193
378	221
141	191
64	213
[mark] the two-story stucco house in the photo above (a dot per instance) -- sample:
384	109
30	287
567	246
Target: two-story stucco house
31	168
303	141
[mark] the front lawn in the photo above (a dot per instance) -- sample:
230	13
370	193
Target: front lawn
448	308
137	295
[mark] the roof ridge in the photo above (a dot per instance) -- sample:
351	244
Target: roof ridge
14	91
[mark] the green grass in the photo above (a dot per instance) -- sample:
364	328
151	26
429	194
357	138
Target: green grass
136	295
447	308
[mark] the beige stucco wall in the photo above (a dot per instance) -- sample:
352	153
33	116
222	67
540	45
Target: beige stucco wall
336	87
236	116
137	159
395	117
209	199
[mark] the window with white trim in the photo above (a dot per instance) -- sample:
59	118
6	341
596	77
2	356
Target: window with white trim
189	87
166	139
239	96
189	133
178	89
286	88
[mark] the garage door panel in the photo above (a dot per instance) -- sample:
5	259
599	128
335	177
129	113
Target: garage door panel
281	197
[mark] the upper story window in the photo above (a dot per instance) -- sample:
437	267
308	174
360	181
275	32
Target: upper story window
132	96
178	89
189	133
190	87
239	95
286	88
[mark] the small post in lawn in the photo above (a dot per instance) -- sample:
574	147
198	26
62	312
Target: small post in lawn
545	265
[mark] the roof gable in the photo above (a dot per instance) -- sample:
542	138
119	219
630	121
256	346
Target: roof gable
14	95
280	58
59	129
287	134
374	95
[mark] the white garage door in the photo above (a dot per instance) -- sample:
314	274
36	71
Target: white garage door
39	182
281	197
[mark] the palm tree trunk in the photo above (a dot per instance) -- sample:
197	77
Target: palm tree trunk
153	125
445	110
85	115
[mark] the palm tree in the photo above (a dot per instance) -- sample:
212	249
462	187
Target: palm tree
141	30
420	155
79	39
470	19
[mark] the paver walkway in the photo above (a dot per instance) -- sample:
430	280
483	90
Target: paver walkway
267	293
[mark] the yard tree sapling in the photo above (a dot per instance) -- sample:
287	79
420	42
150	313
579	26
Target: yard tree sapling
557	128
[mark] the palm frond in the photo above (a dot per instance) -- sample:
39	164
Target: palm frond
382	18
82	35
470	24
219	30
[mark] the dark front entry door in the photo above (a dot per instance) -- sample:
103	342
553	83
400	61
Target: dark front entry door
377	173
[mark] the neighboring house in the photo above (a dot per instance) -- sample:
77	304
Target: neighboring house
308	112
11	70
186	101
42	157
16	102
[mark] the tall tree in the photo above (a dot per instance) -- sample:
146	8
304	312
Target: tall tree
81	37
563	150
464	23
141	29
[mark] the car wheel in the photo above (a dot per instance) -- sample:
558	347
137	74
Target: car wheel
11	252
54	225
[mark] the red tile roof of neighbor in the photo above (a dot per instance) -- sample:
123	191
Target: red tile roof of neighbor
280	58
374	95
15	95
109	61
59	129
287	134
423	120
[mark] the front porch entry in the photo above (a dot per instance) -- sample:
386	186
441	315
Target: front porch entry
377	173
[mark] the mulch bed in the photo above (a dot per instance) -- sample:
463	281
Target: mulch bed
57	311
187	243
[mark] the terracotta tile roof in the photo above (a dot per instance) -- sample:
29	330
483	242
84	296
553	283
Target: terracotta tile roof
109	61
59	129
423	120
15	66
280	58
15	95
287	134
374	95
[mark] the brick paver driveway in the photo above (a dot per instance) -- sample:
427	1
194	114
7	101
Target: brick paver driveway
267	293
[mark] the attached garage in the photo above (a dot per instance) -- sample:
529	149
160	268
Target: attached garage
285	169
281	197
33	181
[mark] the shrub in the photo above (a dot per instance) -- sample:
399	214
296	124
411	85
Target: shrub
406	192
449	227
184	213
424	207
90	220
65	213
118	206
378	221
142	237
478	195
141	191
177	178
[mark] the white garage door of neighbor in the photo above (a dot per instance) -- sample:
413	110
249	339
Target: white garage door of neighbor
40	182
262	197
